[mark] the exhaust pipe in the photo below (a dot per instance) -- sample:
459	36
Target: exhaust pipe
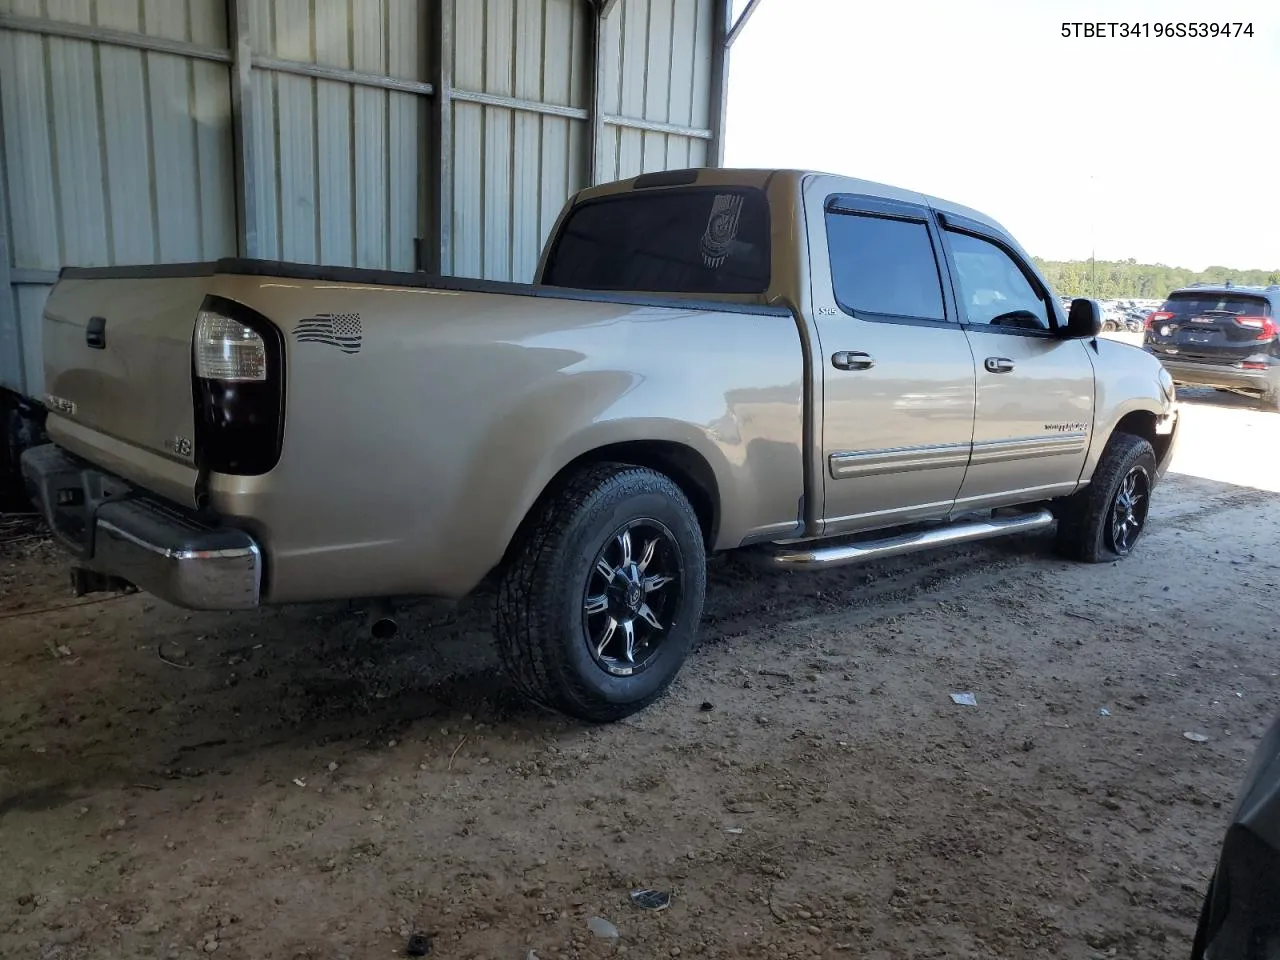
380	622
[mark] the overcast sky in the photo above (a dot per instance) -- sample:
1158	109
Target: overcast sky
1142	147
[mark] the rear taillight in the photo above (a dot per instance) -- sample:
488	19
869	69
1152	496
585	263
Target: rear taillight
1159	316
238	359
1252	365
1265	326
228	350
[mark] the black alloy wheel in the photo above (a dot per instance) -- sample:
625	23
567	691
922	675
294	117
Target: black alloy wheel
632	596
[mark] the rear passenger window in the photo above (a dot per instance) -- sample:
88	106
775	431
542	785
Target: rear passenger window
881	265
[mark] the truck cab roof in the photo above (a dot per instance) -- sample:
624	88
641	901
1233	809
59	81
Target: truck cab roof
761	178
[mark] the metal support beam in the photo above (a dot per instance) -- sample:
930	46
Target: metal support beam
357	78
722	13
596	132
741	22
440	254
515	103
656	126
119	38
242	107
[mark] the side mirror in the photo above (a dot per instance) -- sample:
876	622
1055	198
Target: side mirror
1084	320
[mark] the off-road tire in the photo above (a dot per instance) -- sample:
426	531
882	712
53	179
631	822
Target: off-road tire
1084	517
541	591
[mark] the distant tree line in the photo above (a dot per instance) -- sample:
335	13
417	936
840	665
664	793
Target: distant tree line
1121	279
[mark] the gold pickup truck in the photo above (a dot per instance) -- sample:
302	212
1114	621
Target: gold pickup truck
807	368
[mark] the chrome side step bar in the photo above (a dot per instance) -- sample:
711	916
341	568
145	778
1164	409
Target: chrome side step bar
837	555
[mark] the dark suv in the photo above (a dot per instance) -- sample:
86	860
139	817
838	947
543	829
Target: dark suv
1220	336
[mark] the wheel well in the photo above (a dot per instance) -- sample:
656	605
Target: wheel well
691	473
1141	423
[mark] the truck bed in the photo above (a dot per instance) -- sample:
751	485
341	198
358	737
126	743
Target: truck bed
421	416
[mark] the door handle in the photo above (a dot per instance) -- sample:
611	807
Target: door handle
95	333
998	364
852	360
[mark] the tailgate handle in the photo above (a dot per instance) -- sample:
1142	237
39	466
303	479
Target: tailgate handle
95	334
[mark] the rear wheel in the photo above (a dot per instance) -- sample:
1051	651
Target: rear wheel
601	599
1105	520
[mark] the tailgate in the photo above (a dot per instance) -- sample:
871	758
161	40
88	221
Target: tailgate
118	374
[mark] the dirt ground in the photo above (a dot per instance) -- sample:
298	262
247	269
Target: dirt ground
272	785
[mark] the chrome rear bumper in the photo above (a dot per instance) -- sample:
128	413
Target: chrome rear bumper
111	529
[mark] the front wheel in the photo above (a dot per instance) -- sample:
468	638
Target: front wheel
1104	521
601	599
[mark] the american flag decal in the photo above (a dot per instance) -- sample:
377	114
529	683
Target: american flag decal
342	330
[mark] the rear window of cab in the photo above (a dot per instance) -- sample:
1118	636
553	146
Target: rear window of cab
698	240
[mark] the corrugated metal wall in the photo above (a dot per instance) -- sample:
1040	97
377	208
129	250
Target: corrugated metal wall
119	123
521	92
657	68
514	168
112	154
338	164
